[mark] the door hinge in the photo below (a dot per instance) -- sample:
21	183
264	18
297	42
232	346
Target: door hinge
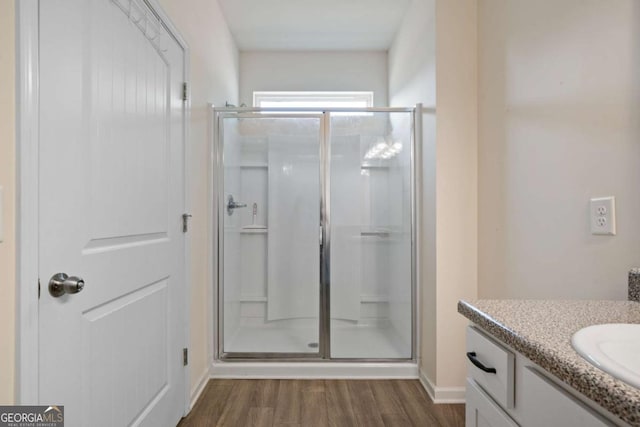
38	288
184	91
185	222
185	357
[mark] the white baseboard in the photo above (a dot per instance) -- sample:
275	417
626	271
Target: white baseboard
197	391
314	370
427	385
442	394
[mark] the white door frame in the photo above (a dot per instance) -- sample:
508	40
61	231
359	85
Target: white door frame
27	225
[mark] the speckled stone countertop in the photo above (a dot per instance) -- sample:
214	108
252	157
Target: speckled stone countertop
541	330
634	284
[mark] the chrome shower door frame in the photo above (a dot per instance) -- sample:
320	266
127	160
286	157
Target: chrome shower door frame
324	350
239	114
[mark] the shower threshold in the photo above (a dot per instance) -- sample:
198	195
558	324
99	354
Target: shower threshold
315	370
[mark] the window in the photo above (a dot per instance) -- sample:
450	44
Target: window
313	99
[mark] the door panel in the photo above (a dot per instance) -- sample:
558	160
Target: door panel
111	199
123	322
371	245
129	125
271	274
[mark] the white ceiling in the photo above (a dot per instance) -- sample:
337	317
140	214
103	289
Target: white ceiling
313	24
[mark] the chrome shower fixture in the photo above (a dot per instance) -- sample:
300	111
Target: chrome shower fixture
232	204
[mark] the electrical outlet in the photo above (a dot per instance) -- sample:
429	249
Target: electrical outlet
603	216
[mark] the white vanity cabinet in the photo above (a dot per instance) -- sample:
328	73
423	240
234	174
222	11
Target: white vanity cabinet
545	404
519	393
482	411
490	381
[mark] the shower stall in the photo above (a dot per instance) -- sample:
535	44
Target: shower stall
315	233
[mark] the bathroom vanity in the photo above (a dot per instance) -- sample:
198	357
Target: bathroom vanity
523	370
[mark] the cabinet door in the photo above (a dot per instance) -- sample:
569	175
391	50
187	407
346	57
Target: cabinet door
482	411
545	404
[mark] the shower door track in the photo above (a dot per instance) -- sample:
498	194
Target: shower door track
323	354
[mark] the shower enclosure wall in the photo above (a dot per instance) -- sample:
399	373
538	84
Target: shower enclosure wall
315	233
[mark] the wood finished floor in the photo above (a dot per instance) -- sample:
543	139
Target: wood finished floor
305	403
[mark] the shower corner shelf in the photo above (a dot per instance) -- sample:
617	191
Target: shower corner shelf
368	167
254	230
256	165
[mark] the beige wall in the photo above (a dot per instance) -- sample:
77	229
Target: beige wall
433	60
412	80
214	79
7	180
559	105
456	182
314	71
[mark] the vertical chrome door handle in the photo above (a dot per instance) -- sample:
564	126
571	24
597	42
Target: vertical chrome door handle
61	284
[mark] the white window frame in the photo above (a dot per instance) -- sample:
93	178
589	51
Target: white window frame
333	99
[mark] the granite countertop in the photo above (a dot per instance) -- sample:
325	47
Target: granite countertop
541	330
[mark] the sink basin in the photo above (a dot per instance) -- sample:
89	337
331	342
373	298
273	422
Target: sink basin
614	348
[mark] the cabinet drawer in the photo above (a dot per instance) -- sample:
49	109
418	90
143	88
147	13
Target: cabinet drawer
488	354
482	411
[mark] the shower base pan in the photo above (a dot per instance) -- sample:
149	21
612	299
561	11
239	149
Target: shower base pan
373	341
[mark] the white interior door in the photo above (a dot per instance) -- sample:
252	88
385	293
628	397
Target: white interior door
111	198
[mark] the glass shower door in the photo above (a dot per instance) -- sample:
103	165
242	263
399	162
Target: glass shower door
371	279
270	222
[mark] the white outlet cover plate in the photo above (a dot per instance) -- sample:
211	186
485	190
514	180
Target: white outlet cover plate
602	212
